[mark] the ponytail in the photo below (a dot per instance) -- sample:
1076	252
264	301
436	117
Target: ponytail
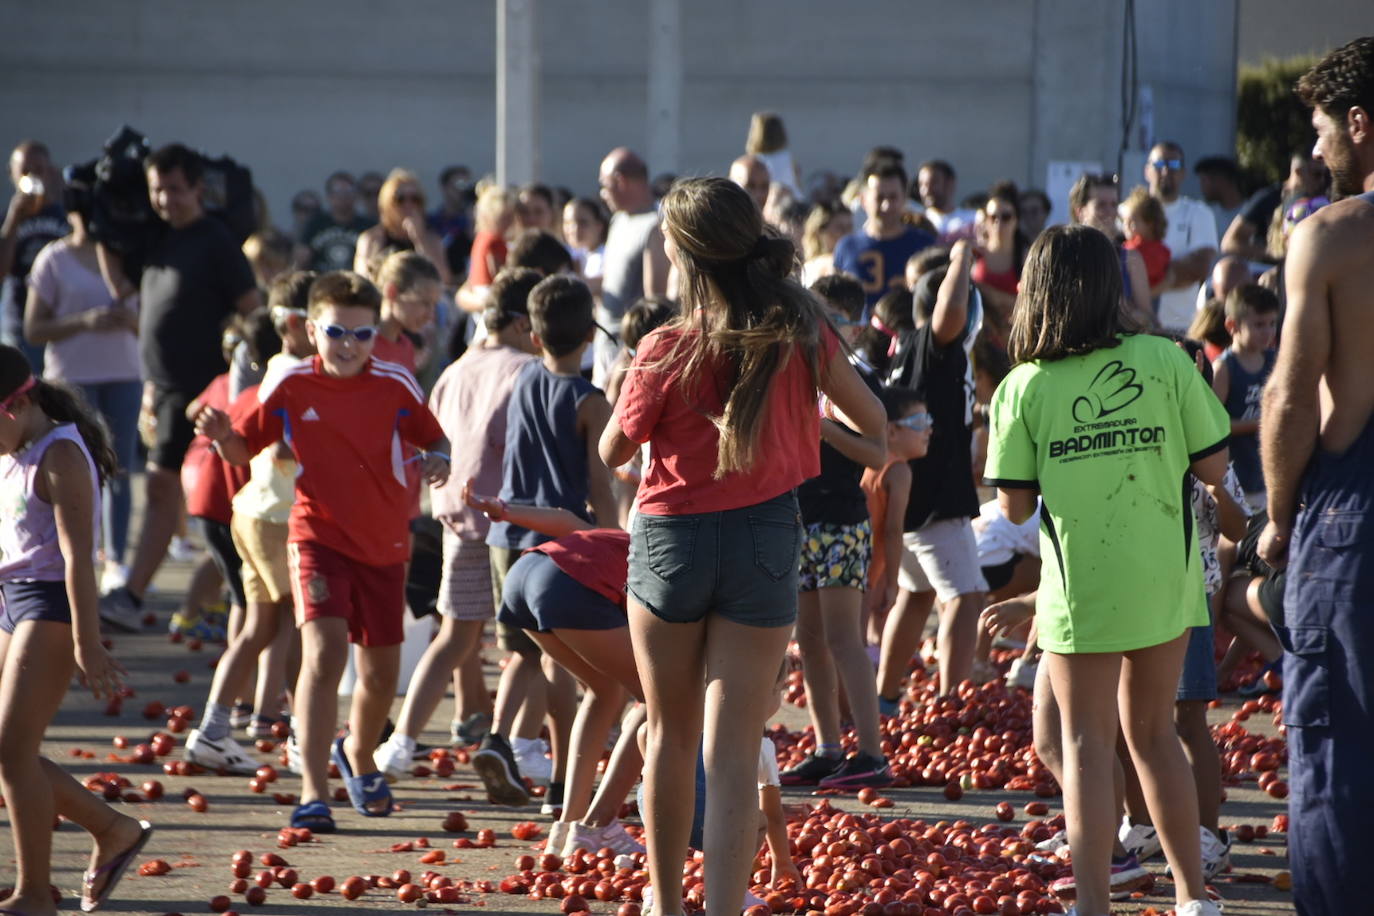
66	405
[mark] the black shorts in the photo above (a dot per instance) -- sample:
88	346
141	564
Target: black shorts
1248	558
174	431
33	601
541	597
999	575
220	544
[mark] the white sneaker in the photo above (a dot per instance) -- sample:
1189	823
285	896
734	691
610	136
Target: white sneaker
1140	840
182	549
557	843
1053	844
1022	674
115	575
225	754
117	609
1198	908
531	755
293	756
1216	853
613	836
394	757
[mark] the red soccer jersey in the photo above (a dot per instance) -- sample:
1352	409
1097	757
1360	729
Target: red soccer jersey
349	436
683	441
209	480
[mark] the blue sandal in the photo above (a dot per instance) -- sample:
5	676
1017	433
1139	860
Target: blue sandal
369	788
314	816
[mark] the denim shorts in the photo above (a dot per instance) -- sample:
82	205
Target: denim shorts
1199	678
739	563
541	597
39	600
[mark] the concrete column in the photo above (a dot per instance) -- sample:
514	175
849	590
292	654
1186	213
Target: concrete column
665	86
517	91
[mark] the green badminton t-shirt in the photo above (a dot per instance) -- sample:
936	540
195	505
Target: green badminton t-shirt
1107	438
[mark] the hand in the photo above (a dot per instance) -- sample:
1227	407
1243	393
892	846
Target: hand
22	206
1005	616
1273	545
784	872
881	596
414	228
213	424
490	506
98	670
434	467
105	318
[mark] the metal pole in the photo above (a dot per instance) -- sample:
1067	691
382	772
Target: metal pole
517	91
664	85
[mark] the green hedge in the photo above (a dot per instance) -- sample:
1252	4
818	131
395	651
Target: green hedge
1271	123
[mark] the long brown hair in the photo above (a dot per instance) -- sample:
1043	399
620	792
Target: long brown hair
63	404
738	292
1069	303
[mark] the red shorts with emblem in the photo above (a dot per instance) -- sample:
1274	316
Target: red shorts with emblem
325	583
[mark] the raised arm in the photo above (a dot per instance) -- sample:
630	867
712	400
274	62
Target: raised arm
951	303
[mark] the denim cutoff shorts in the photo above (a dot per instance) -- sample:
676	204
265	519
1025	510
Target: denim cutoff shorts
739	563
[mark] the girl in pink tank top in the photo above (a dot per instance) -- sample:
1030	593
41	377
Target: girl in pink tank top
53	454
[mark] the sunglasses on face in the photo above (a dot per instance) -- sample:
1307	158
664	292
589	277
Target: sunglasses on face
1004	216
1173	165
339	332
409	199
919	422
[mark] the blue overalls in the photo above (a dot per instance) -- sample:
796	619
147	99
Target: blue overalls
1328	674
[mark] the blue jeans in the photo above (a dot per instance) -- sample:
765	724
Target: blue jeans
118	403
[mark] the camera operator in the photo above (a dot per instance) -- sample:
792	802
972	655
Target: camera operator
35	217
195	277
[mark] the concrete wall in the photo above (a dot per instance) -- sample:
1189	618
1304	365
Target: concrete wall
1280	28
999	87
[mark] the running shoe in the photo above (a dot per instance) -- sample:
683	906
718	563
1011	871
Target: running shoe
553	800
241	716
1216	854
225	754
810	771
613	836
471	730
1140	840
1022	674
495	765
1059	840
293	755
393	758
121	610
1198	908
1127	875
859	771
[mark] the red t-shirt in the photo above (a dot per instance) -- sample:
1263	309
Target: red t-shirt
484	244
400	351
349	437
683	441
209	480
1006	281
598	558
1155	254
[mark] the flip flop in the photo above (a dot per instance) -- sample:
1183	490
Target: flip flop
115	869
370	787
314	815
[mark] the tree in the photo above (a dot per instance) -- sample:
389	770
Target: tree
1271	122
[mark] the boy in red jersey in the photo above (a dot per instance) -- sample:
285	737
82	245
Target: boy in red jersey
347	417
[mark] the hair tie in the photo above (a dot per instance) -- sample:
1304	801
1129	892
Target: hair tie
877	324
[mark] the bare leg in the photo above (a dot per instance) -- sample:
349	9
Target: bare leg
324	654
379	668
1190	718
235	668
671	661
957	638
455	640
469	686
902	638
818	670
528	722
841	610
1148	684
163	512
520	677
622	772
279	664
741	674
561	702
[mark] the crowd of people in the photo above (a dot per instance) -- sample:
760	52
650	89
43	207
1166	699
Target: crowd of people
597	418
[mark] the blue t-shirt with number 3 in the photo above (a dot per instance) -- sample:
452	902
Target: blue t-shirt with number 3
880	264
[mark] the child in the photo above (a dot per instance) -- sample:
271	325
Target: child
568	595
1145	224
494	214
470	403
1252	315
1097	421
258	528
410	291
909	428
347	417
726	398
836	548
553	423
1209	329
53	453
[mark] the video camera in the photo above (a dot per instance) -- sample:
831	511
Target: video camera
111	194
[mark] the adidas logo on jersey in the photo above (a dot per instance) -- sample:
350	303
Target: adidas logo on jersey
310	414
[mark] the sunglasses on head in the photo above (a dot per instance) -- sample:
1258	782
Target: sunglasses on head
1173	165
339	332
918	422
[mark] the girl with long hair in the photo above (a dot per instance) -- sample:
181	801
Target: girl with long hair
726	397
54	451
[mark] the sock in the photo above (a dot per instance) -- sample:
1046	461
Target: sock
403	742
829	751
215	725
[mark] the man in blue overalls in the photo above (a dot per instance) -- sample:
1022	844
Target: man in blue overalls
1317	444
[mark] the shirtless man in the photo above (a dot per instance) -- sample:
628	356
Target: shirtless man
1317	439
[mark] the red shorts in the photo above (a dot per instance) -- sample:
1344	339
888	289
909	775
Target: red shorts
325	583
